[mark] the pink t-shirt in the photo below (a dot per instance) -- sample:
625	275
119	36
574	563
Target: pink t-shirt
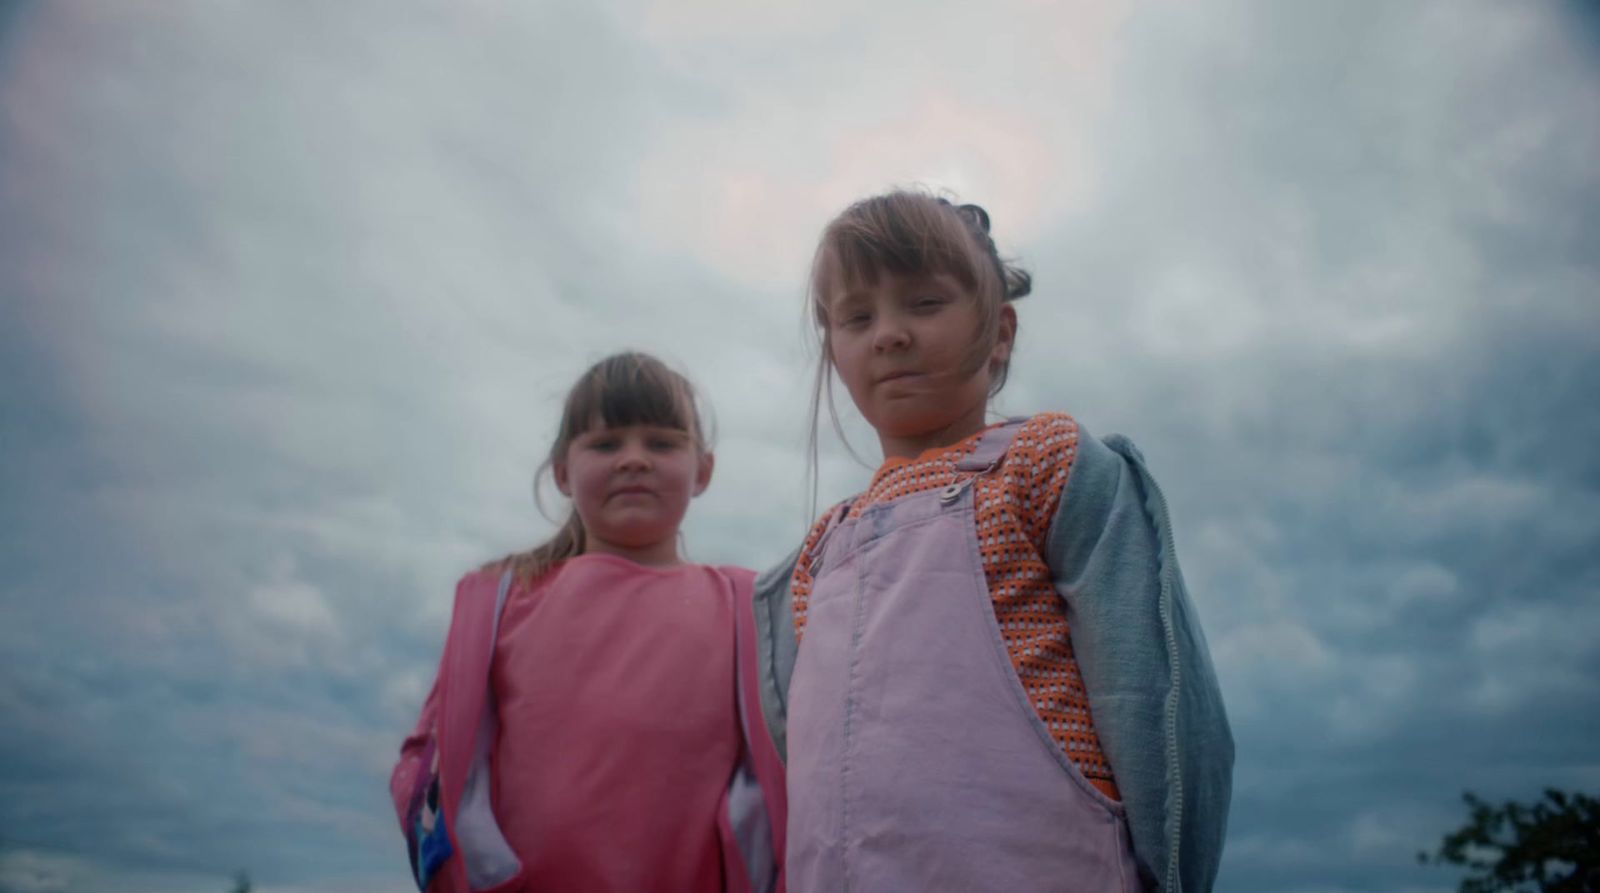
618	725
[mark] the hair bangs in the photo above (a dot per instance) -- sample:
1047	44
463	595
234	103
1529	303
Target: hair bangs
903	234
629	389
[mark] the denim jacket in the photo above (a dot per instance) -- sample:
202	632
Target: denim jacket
1152	690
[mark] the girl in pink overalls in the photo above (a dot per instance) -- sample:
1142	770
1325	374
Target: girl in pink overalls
983	671
594	724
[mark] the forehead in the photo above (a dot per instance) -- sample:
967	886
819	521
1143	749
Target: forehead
635	400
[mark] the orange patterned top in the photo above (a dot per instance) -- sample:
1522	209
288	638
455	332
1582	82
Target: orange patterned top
1015	505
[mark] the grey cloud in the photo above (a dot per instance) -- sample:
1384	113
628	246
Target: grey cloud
292	298
1400	529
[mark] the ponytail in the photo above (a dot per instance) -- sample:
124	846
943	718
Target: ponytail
567	542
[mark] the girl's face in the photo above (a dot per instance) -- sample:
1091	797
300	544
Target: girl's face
901	346
631	487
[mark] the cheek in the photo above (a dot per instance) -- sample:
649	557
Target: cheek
587	480
847	362
684	474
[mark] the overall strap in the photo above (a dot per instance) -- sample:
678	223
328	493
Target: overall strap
834	517
992	446
984	458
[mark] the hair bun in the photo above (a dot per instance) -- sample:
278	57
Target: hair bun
974	215
977	215
1018	282
1015	281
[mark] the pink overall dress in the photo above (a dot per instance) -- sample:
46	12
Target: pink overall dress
916	761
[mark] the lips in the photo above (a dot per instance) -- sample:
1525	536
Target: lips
632	491
898	375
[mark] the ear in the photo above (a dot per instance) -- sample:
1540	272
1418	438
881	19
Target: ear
558	470
1006	338
702	473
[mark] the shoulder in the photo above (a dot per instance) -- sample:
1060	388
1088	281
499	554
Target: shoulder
475	580
741	578
1048	424
1044	444
1038	465
479	587
1047	434
1102	465
734	572
1109	482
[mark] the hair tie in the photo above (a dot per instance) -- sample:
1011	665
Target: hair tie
978	216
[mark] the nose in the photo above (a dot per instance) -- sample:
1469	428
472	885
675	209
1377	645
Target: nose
890	334
633	457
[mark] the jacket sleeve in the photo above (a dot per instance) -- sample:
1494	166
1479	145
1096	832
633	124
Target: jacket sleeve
776	647
1152	689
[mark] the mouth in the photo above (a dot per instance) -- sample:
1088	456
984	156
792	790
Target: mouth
632	491
899	375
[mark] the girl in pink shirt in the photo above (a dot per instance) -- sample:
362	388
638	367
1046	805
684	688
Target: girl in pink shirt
589	725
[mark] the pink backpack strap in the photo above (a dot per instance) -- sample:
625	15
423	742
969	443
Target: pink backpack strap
485	860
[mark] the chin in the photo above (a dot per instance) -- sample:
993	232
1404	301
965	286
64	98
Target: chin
632	538
640	535
910	424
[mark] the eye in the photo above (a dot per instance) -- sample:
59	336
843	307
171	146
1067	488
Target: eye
854	320
928	303
604	444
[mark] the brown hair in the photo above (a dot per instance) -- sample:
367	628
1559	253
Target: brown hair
629	388
909	233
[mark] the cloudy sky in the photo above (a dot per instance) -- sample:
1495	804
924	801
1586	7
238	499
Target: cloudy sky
289	295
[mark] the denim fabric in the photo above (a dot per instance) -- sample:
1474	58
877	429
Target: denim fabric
1152	689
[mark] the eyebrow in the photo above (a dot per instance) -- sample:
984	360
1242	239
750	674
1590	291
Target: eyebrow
845	300
666	431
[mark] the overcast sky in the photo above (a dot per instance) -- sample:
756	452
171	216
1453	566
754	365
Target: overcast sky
290	293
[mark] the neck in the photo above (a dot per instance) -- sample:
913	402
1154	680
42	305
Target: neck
910	446
662	554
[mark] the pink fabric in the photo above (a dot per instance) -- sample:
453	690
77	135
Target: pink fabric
453	703
619	728
461	690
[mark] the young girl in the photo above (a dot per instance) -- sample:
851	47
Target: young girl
983	671
588	726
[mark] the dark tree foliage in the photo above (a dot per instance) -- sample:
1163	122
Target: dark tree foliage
1549	846
241	883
